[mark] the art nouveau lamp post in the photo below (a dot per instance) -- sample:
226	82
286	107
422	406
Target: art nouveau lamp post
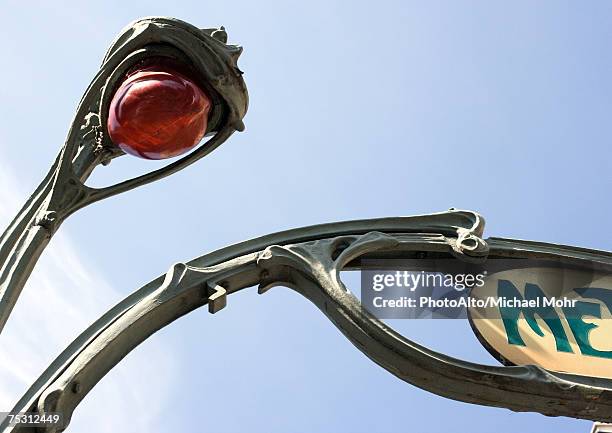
162	86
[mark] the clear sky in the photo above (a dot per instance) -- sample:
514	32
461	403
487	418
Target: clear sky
358	109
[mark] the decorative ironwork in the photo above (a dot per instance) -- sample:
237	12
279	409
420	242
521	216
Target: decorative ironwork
63	190
309	260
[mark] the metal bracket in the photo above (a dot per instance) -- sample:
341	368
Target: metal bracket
217	297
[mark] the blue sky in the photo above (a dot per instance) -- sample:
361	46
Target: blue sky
358	109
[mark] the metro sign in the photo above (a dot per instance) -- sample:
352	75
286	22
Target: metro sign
559	318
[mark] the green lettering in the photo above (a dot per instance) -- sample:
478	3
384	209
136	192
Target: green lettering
581	329
510	315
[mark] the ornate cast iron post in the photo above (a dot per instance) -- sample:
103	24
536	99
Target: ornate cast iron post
63	191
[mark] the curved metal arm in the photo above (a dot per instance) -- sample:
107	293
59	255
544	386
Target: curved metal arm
309	260
63	190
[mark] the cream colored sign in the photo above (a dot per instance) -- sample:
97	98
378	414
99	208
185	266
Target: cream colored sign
558	319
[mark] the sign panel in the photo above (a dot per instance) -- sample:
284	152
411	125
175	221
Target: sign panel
556	317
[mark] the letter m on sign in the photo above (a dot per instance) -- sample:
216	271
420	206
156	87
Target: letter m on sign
510	315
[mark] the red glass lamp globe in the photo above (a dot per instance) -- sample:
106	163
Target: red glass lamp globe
158	112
